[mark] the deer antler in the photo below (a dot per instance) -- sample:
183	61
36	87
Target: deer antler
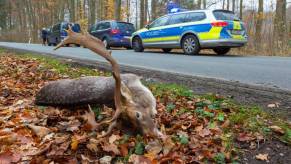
98	47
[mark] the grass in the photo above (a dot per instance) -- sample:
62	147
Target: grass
64	68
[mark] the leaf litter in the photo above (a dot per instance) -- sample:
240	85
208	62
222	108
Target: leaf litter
197	129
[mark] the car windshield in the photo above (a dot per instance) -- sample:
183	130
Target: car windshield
122	26
225	15
64	25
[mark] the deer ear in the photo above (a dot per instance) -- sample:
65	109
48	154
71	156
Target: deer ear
125	92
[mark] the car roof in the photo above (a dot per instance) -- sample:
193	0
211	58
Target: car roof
112	21
202	10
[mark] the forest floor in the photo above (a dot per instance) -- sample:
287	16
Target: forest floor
200	129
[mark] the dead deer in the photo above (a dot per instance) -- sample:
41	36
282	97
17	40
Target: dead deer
133	101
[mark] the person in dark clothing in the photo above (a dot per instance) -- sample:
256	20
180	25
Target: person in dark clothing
44	34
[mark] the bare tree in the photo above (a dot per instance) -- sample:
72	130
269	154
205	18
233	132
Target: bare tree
154	9
280	25
259	22
233	5
240	8
117	9
142	13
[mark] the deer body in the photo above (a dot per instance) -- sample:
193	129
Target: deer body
132	100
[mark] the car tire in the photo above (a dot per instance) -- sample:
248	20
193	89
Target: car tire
190	45
167	50
49	44
106	43
137	45
221	50
128	48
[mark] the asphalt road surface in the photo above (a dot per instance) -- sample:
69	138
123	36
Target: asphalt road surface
274	72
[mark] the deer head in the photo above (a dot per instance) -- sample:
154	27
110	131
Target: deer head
132	101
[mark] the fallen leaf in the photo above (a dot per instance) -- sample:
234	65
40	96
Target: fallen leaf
113	138
39	130
91	123
154	147
139	159
273	105
9	157
74	143
243	137
168	145
204	132
105	160
262	157
277	129
111	148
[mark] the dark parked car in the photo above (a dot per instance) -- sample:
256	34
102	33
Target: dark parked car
113	33
57	32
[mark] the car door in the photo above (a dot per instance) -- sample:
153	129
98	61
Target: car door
93	30
154	35
102	30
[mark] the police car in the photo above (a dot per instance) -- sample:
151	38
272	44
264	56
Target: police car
192	31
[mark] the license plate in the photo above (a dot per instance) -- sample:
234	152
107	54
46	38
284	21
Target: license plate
236	32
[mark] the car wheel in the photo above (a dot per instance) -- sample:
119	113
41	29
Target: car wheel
137	45
49	44
221	51
190	45
167	50
128	48
106	43
77	45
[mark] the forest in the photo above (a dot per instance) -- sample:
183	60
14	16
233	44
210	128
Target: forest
268	21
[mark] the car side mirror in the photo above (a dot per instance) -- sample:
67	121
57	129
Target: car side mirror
147	26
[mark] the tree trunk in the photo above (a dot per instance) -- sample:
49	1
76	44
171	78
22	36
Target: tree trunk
117	9
154	9
127	10
280	25
240	8
223	3
146	8
199	4
92	12
233	5
72	11
142	12
227	5
259	23
204	4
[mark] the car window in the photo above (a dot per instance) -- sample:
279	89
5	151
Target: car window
103	26
177	18
224	15
160	22
106	25
99	26
125	26
56	27
195	16
76	27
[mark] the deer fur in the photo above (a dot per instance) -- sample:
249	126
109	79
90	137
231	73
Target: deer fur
133	102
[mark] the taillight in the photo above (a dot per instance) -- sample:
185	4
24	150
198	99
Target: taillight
219	24
115	31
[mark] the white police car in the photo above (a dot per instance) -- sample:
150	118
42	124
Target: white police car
192	31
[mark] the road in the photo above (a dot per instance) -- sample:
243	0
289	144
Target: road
273	72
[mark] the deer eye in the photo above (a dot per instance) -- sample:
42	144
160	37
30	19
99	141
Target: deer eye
138	115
